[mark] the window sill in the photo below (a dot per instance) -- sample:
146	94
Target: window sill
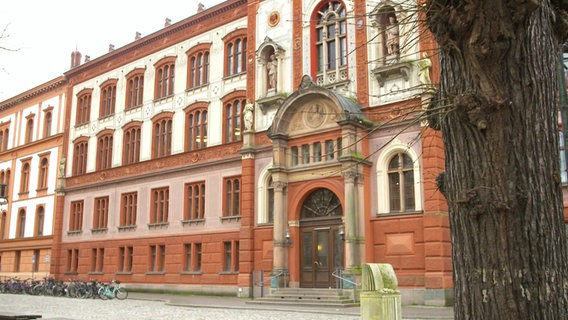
233	76
71	273
133	108
99	230
155	273
163	99
105	117
95	273
123	273
228	272
197	88
126	228
74	232
158	225
400	213
191	273
230	219
193	222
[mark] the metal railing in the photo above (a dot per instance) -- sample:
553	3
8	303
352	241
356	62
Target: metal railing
338	274
270	279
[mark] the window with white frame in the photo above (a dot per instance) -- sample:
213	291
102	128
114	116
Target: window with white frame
398	181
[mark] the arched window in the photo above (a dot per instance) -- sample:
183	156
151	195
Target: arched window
39	221
401	183
235	52
25	177
30	130
43	173
162	144
232	115
134	88
165	76
3	219
131	143
104	150
80	148
198	69
321	203
265	209
330	43
21	228
196	126
398	180
83	106
108	98
47	120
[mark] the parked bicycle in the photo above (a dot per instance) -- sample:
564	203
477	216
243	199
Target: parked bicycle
112	290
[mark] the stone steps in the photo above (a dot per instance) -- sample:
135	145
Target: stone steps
308	297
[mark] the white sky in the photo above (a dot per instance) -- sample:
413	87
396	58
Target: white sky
46	32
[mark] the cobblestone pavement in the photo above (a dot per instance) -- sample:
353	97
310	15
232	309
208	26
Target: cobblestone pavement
52	308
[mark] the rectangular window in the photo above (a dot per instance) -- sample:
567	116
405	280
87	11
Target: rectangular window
195	201
100	214
76	216
231	256
187	257
329	150
305	154
17	261
157	258
232	194
35	261
72	260
125	259
228	254
294	155
317	152
160	205
192	257
97	259
128	208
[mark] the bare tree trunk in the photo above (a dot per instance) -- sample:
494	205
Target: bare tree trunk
498	111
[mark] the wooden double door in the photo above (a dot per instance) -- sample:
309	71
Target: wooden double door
321	254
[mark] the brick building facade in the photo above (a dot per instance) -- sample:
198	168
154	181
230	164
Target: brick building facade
282	137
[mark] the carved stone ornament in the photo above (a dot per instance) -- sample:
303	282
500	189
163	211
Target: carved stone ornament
274	19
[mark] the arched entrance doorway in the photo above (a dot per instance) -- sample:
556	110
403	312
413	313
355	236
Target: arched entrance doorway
321	245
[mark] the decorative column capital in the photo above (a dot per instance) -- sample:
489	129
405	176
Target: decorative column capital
350	176
279	186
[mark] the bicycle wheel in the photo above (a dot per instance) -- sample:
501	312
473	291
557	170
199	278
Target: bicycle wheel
58	291
102	293
121	293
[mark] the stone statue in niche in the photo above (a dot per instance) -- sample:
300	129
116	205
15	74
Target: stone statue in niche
272	72
248	115
393	36
424	66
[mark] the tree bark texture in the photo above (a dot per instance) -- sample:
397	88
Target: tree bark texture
498	113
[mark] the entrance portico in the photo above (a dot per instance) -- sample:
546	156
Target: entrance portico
317	173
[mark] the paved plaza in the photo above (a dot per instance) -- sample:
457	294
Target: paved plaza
155	306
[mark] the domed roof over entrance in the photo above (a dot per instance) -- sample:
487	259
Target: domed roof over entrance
313	108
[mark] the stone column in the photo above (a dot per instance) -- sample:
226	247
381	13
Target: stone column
352	260
280	256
